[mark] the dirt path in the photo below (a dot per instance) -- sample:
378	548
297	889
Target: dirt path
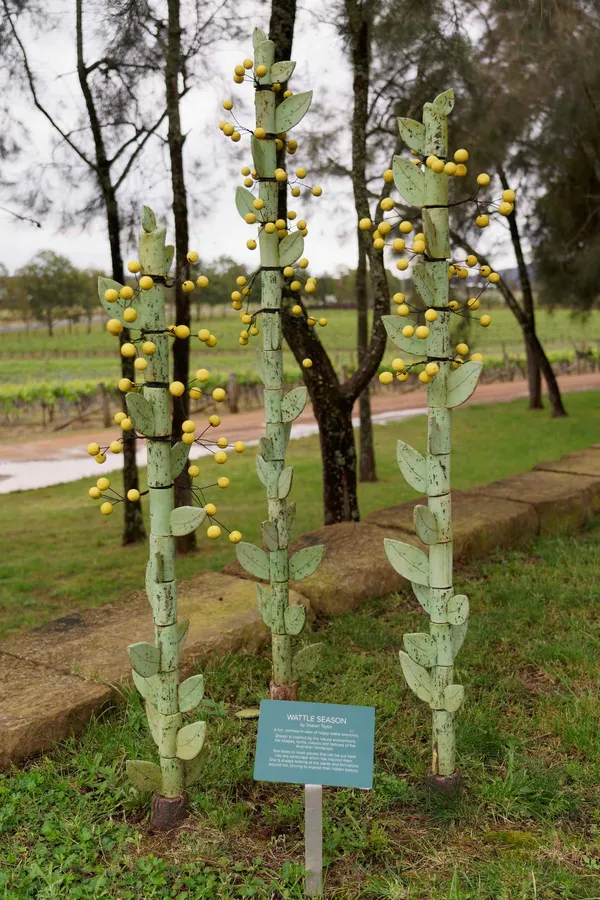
250	425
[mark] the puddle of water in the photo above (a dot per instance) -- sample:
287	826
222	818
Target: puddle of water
76	464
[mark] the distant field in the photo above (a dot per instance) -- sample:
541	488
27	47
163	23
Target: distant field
79	355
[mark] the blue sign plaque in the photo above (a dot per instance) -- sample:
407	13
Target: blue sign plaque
315	743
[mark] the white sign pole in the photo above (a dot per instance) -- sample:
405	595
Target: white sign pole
313	837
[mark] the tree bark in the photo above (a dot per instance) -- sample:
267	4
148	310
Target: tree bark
367	470
181	348
133	524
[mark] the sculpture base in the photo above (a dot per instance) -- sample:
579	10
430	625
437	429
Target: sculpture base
445	784
167	812
283	691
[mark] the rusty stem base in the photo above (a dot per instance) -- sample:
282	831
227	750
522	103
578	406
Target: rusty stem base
167	812
283	691
446	784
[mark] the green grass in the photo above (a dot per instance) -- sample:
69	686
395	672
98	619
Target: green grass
526	826
63	555
96	356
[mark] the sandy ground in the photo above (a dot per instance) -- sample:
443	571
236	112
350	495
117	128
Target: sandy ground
249	426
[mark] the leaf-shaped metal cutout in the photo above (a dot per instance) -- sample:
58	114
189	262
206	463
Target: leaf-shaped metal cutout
462	383
185	519
412	465
412	345
191	692
192	768
258	37
435	225
262	470
244	201
253	559
179	457
458	609
409	180
146	687
148	219
291	248
453	697
408	561
412	133
144	658
306	661
291	111
444	103
258	156
284	485
182	631
270	536
141	413
282	71
265	605
423	595
421	648
114	309
458	633
265	448
426	286
425	525
153	719
417	678
294	618
293	404
305	562
144	776
190	740
169	254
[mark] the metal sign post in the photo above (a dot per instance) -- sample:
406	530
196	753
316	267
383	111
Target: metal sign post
313	838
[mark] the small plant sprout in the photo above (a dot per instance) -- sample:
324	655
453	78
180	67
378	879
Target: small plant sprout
451	378
281	243
155	665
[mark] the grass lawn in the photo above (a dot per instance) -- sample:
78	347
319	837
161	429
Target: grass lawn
526	826
96	356
63	555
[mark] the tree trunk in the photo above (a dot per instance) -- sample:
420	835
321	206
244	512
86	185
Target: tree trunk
50	324
181	348
366	448
534	375
554	396
133	523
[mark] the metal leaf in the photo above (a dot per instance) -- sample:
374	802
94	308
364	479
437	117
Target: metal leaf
284	485
282	71
185	519
141	413
435	226
153	719
458	609
148	219
144	776
190	740
459	633
169	254
305	562
412	345
244	201
270	536
461	383
253	559
258	156
409	180
262	470
293	404
191	692
412	133
306	660
417	678
291	111
265	605
423	595
179	457
146	687
182	631
265	448
425	525
453	697
412	465
444	103
258	37
294	618
408	561
192	769
115	309
145	658
425	285
421	648
291	248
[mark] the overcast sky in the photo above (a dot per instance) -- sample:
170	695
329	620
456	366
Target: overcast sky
216	228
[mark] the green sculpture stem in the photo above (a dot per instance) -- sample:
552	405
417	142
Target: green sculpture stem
271	279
